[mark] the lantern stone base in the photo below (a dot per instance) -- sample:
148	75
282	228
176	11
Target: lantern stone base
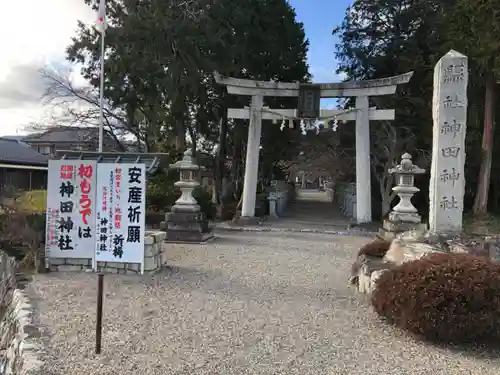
405	217
187	227
390	229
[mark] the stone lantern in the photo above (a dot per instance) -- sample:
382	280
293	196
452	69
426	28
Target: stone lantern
404	215
185	222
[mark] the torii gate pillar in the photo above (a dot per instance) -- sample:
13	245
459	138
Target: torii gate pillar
252	158
363	163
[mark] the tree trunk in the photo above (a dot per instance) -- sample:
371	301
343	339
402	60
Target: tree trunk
194	139
221	155
238	152
481	199
180	138
387	194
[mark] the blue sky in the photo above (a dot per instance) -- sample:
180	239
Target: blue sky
320	17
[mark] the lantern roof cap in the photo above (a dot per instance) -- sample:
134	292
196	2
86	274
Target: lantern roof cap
187	163
406	166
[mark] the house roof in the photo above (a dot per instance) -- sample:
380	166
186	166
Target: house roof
14	137
61	134
16	152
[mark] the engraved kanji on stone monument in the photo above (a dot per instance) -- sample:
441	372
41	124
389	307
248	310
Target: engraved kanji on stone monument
449	112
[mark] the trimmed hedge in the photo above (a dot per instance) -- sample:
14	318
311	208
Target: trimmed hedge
442	297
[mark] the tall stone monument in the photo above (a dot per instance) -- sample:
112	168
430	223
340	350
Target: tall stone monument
449	113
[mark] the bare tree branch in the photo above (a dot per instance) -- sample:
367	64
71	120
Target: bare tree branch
79	106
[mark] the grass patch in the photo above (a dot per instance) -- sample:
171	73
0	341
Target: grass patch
34	201
488	224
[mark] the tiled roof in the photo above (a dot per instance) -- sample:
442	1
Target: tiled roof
64	134
152	160
15	152
14	137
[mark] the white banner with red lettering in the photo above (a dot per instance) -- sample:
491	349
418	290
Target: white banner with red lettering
121	213
70	224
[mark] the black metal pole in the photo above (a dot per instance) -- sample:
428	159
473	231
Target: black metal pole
98	327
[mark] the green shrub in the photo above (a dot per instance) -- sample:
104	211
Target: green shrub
22	233
161	193
204	198
377	248
442	297
154	219
261	204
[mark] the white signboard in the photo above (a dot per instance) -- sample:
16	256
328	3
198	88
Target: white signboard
70	228
121	215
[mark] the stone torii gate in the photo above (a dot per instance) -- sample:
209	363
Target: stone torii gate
309	107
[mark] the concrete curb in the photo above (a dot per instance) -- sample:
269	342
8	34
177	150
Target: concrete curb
346	232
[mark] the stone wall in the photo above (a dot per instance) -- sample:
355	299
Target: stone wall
371	268
20	345
154	258
413	245
344	196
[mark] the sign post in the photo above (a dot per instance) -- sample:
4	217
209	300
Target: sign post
98	326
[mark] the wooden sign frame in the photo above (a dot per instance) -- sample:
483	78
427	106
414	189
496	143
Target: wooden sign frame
309	101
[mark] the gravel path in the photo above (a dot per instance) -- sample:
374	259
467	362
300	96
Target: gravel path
247	303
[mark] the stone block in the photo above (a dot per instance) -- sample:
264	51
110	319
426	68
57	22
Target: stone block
272	208
31	330
151	263
69	268
400	226
107	269
19	336
458	249
81	262
375	276
56	261
391	230
364	281
401	252
386	235
417	234
188	236
405	217
133	268
116	265
152	250
362	270
183	217
149	240
187	227
149	250
157	234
